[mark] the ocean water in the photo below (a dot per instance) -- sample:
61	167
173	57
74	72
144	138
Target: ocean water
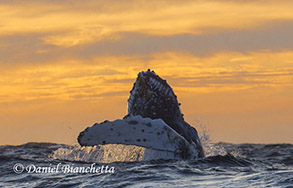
226	165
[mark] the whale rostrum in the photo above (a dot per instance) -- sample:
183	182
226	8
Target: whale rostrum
154	121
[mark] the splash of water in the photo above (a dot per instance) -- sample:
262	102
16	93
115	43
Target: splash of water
111	153
210	148
100	154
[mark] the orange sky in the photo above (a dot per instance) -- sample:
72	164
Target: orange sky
65	65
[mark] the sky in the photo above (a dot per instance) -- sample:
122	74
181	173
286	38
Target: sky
65	65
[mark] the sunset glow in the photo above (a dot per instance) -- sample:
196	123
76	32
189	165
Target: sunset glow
66	65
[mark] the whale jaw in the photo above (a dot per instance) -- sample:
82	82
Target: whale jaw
152	97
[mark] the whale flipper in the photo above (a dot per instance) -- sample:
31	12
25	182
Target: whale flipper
135	130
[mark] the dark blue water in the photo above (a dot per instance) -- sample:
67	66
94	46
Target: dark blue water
244	165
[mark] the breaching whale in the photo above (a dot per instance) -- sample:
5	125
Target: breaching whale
154	121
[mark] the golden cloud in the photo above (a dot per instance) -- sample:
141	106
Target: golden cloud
79	23
101	76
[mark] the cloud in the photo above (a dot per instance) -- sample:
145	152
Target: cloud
30	48
72	23
226	79
53	49
274	38
79	36
103	75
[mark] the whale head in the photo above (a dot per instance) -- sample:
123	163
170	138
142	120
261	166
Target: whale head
152	97
153	117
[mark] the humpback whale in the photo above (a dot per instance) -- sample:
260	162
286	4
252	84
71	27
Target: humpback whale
154	121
